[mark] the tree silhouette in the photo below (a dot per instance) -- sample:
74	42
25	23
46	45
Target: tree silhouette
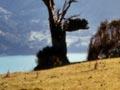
106	42
59	25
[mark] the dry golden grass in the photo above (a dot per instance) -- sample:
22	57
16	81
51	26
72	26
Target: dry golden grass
103	75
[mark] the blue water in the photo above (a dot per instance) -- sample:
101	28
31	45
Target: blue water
27	63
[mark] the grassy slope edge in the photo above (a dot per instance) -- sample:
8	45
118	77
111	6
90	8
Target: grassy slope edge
95	75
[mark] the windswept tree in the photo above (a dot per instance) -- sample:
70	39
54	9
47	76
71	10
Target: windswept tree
59	25
106	42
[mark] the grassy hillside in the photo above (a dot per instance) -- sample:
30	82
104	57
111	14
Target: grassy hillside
100	75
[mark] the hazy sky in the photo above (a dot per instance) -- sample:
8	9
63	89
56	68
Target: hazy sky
29	19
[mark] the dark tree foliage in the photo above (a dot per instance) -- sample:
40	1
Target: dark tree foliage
106	42
59	25
75	24
48	58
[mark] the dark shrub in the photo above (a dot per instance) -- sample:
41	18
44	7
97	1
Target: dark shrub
47	58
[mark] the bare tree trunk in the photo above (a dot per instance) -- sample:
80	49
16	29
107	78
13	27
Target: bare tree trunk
58	37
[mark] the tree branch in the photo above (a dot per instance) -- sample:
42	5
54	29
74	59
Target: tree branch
49	3
66	6
50	6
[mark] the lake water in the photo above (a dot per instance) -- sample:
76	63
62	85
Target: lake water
27	63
